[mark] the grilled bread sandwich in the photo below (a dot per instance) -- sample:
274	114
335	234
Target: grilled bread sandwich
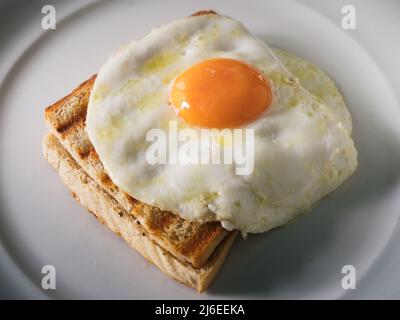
211	85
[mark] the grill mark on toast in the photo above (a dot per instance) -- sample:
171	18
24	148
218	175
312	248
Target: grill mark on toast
94	155
75	122
161	220
107	182
213	230
202	13
86	152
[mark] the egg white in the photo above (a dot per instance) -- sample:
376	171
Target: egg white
318	83
303	148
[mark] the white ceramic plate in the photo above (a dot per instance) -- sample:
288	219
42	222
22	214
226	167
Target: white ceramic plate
40	224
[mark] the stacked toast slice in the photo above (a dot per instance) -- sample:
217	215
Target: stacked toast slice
188	251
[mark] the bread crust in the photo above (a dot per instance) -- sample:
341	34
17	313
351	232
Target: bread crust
109	212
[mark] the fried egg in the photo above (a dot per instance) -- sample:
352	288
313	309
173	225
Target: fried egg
318	83
209	71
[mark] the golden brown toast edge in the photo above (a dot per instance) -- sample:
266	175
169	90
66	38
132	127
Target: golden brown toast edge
108	211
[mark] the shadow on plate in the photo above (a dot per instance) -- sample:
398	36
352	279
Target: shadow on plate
263	263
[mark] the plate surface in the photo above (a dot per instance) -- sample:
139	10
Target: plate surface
40	224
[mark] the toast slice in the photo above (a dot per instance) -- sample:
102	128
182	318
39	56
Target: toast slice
189	241
108	211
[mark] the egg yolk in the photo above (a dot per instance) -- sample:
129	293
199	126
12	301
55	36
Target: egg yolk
220	93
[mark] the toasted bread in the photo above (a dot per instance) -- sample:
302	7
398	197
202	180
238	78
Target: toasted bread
108	211
189	241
